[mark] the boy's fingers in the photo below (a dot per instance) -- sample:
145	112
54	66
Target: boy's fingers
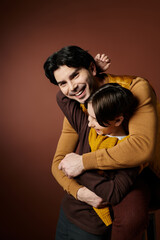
97	57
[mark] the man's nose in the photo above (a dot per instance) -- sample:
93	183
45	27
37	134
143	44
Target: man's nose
72	86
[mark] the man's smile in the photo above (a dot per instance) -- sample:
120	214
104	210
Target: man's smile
80	93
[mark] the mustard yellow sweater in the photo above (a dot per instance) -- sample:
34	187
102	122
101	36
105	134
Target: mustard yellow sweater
100	142
138	149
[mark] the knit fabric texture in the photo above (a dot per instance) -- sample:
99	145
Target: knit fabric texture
99	142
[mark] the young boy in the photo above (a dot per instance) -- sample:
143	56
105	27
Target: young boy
109	110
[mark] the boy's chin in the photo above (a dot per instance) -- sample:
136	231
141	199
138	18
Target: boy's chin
99	132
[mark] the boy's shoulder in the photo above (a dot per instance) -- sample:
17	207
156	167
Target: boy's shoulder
123	80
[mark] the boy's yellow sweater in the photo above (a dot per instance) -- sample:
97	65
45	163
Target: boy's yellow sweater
100	142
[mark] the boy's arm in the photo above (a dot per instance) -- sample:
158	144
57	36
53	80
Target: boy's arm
113	185
102	62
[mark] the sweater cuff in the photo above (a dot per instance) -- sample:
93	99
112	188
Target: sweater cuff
90	160
73	189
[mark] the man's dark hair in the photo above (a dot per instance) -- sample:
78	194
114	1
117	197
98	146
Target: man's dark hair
112	100
71	56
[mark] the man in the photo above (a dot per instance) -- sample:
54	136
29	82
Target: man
75	72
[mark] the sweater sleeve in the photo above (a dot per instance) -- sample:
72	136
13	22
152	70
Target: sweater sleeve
113	185
139	147
70	136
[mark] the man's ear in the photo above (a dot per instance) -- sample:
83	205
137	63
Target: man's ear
119	120
93	69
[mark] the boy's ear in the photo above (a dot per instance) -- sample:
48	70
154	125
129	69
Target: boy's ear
93	69
119	120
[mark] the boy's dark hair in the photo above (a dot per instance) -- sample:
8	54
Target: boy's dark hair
71	56
112	100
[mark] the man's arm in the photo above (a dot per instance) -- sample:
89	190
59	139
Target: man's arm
67	143
135	150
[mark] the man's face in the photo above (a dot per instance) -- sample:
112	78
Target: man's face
74	82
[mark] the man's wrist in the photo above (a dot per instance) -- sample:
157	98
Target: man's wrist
89	161
82	165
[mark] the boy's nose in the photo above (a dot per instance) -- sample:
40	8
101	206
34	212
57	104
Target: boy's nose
90	123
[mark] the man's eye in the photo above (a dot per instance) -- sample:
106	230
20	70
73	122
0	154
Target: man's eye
62	84
76	74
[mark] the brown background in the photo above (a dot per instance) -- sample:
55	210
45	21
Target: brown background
128	31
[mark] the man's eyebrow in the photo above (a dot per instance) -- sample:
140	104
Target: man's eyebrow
60	82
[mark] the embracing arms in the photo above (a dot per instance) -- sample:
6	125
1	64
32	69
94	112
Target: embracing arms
99	190
135	150
67	143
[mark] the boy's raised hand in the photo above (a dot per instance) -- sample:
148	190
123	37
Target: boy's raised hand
102	61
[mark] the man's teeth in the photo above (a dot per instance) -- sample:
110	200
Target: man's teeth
79	93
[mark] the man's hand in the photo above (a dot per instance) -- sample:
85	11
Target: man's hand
89	197
72	165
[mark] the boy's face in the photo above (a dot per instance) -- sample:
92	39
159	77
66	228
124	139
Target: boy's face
110	129
74	82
